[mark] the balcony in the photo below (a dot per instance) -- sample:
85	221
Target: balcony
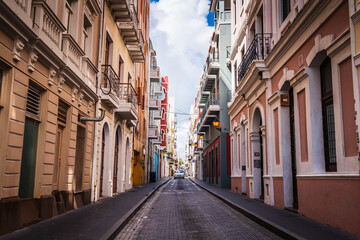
155	74
153	132
109	86
212	63
154	103
157	89
258	50
127	108
204	95
156	141
46	24
125	15
208	82
157	115
210	112
72	50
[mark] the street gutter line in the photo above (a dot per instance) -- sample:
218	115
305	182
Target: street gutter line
273	227
121	223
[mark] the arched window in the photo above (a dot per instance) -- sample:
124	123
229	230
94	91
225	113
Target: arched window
163	113
328	115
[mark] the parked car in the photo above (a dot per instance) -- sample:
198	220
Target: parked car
179	174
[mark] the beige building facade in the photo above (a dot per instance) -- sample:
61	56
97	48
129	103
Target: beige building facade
48	69
122	47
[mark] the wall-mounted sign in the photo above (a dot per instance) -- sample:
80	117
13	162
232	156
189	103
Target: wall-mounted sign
257	154
284	100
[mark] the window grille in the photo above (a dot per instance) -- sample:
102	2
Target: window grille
33	102
62	112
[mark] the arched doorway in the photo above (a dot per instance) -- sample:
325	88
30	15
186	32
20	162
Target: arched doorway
127	164
258	154
104	157
117	154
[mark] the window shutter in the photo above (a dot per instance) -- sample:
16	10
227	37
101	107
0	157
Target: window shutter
62	112
33	102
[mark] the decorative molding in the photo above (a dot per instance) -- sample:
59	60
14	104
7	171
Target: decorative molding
320	43
33	57
287	75
81	97
73	94
61	82
52	74
262	128
91	103
18	47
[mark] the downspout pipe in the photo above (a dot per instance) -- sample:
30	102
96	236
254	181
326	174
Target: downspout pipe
93	175
96	119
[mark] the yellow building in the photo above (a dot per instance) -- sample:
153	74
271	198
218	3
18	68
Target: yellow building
141	85
122	45
48	68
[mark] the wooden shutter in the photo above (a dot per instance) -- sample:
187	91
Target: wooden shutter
33	102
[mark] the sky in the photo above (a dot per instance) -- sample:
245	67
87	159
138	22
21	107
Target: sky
180	31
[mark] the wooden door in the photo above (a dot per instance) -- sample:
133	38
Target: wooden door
116	158
107	54
79	157
102	164
57	162
28	160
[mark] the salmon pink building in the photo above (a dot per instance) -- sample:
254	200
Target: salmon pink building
163	122
294	137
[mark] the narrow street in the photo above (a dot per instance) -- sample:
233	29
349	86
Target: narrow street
181	210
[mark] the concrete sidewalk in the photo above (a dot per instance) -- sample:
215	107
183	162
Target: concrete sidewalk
102	220
286	224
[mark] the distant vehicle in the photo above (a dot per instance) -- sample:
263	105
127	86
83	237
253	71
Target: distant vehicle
179	174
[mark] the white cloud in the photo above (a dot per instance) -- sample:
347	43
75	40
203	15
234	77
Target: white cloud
180	36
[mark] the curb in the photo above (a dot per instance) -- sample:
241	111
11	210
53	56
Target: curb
120	224
273	227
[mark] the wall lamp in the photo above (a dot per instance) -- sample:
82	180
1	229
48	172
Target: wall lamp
216	124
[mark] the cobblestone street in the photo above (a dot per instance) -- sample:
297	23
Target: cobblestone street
181	210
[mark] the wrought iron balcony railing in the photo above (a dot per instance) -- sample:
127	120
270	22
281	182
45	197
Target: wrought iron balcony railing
109	80
213	57
127	93
258	50
214	99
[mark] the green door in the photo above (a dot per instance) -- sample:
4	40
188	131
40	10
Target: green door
28	161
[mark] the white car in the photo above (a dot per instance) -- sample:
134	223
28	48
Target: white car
179	174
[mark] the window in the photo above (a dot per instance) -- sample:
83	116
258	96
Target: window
33	102
328	115
121	65
284	9
227	5
86	36
68	13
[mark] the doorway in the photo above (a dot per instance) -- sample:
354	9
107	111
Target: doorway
293	149
116	161
258	155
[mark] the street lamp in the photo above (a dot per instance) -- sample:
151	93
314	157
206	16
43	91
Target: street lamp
201	136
